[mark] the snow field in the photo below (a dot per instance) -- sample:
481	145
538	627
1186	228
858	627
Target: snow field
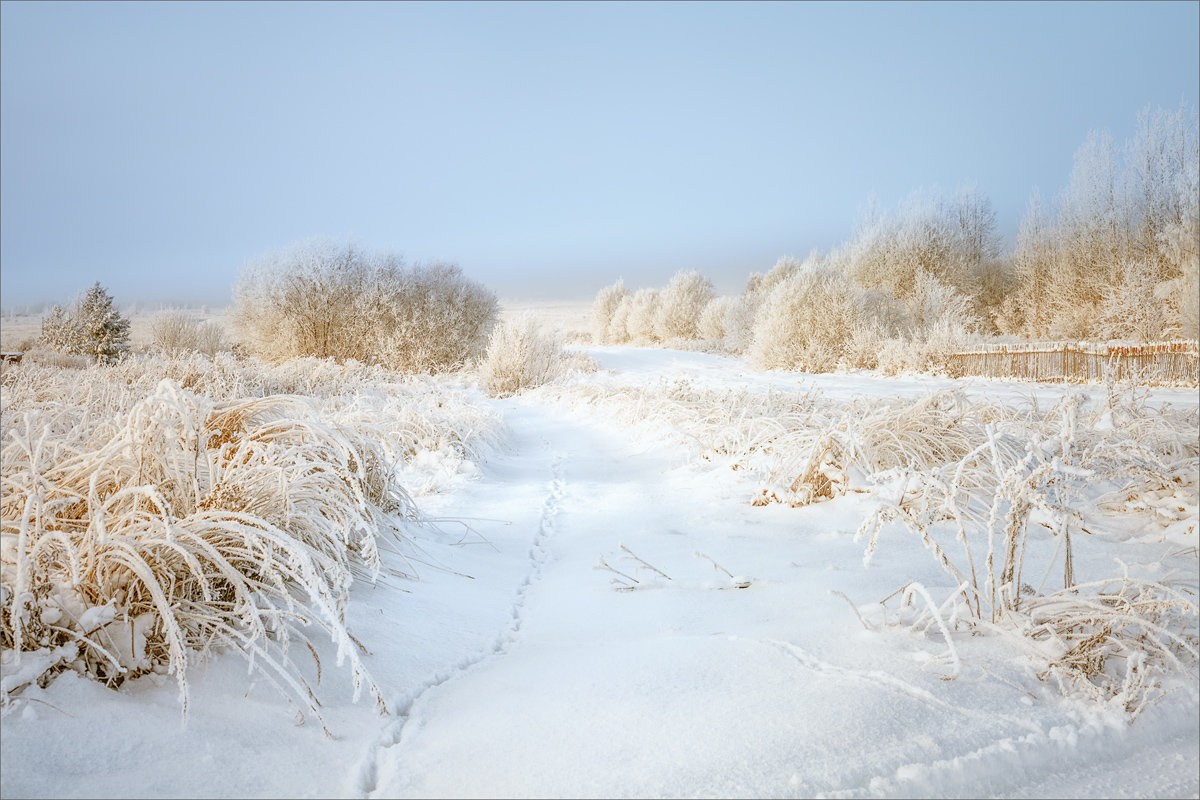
516	667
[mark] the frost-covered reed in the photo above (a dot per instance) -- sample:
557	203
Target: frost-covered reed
978	483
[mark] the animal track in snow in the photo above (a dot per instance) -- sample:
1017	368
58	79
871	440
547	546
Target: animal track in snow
368	778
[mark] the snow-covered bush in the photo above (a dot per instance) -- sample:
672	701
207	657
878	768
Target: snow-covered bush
520	356
618	328
175	331
332	301
92	326
604	308
60	331
951	238
711	325
806	321
643	310
680	305
741	316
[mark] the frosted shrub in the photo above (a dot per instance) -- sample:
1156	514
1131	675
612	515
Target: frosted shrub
172	331
711	325
618	327
680	305
740	318
61	332
940	321
806	321
861	348
1138	307
643	311
175	331
330	301
210	338
604	308
519	356
951	238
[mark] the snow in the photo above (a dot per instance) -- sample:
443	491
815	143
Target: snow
518	666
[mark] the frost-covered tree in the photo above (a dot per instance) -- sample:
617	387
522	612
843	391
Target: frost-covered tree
1137	307
954	239
680	305
1122	235
1026	308
92	326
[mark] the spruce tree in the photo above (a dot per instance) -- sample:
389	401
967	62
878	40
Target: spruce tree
105	331
92	327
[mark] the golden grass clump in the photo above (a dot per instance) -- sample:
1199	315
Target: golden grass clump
142	530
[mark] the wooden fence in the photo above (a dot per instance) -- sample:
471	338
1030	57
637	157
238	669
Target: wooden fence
1174	363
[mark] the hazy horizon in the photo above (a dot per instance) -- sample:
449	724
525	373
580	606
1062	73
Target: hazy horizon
547	148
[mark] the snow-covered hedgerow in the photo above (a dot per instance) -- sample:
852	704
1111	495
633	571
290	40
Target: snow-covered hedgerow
143	529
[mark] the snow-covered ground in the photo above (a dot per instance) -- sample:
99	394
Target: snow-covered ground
736	666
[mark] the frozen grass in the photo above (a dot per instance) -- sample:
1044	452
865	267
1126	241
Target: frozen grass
142	528
977	483
521	356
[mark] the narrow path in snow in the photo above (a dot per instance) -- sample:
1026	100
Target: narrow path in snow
393	736
673	682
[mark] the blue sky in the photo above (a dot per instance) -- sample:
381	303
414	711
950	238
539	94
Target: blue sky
548	148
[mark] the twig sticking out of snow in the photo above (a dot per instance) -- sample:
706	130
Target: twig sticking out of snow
638	559
624	581
716	566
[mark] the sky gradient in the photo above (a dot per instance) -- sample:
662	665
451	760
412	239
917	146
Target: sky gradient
547	148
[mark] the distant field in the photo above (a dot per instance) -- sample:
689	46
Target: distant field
571	317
